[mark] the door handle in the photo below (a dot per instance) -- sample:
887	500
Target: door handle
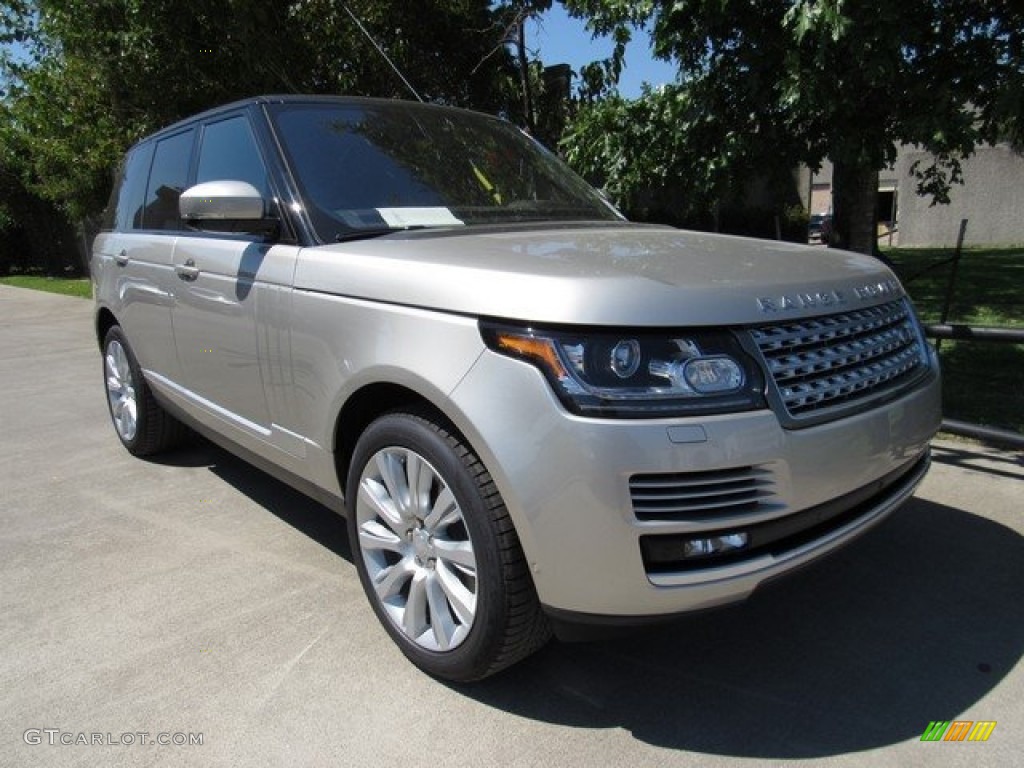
187	271
121	259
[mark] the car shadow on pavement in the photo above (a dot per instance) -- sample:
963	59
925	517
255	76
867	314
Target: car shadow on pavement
917	621
302	513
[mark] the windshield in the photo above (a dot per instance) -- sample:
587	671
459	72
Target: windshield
365	169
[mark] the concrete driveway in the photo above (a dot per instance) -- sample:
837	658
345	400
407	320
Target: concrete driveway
195	598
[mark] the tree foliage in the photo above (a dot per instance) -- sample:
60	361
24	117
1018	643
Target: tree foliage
96	75
659	159
848	80
640	150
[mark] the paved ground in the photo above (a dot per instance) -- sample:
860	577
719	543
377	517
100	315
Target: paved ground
196	595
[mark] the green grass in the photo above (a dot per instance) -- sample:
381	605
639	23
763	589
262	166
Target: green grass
79	287
989	286
983	382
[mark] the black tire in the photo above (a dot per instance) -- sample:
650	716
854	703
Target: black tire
154	430
508	623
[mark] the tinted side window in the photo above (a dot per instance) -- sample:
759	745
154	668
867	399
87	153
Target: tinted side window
229	152
125	209
167	181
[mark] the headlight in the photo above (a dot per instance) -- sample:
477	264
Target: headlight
637	374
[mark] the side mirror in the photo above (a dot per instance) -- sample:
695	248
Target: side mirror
226	206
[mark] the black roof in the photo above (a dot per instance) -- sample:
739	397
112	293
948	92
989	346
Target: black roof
289	98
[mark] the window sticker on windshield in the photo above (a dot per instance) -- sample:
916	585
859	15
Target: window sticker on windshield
419	217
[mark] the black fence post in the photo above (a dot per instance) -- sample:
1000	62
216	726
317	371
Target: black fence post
951	283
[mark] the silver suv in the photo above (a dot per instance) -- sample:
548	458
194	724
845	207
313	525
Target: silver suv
534	414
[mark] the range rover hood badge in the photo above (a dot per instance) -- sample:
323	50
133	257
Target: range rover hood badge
828	298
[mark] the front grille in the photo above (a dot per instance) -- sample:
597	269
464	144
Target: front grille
685	496
843	358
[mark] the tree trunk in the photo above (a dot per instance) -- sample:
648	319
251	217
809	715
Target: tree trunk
854	214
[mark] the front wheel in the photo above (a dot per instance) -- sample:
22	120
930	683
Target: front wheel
436	552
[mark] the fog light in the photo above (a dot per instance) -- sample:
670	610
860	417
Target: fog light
715	545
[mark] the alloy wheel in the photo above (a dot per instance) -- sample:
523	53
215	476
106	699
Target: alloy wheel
417	549
121	391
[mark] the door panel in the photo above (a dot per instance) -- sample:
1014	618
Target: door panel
215	319
144	280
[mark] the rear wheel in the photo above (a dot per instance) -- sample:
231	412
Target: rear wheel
436	551
143	426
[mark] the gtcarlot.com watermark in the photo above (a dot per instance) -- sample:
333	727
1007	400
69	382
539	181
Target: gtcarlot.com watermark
59	737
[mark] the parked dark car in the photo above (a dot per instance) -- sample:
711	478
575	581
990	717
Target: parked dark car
819	228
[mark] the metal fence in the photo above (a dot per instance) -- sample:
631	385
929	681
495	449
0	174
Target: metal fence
940	331
944	330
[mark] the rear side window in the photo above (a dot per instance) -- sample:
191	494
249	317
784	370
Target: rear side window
125	209
229	152
167	181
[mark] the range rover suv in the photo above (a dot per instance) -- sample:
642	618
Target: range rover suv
535	415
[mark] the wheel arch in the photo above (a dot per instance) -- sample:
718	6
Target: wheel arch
105	320
367	404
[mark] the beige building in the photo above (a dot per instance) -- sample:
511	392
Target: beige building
991	199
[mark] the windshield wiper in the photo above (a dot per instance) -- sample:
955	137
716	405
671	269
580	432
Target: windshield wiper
366	234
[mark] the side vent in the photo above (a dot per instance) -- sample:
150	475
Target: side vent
689	496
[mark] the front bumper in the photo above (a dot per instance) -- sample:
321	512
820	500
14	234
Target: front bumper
595	548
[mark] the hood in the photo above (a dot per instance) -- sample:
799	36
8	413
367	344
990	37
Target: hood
602	275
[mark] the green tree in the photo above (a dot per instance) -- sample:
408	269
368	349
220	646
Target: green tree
96	75
33	233
661	158
848	80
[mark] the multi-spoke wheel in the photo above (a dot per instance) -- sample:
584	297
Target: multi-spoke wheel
143	426
416	549
436	552
121	391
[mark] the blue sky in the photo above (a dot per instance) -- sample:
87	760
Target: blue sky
560	39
